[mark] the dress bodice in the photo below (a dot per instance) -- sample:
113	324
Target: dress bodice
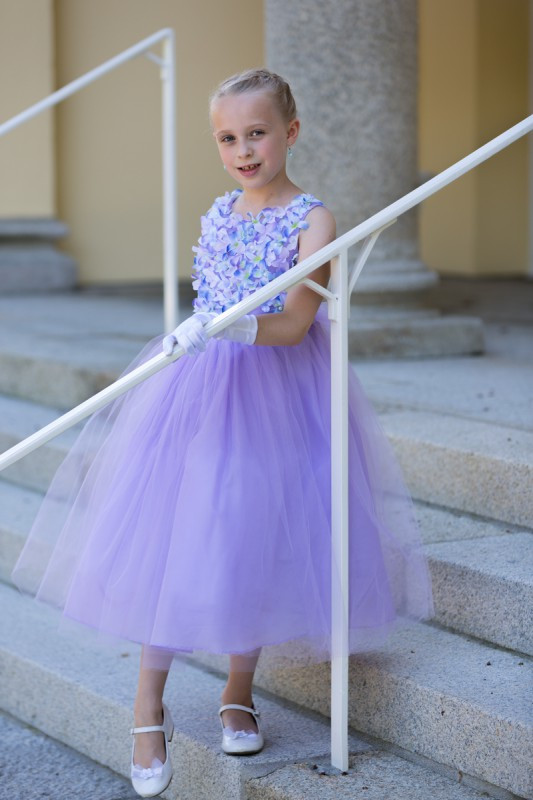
237	254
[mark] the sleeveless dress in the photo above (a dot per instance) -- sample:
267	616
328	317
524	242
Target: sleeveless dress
193	513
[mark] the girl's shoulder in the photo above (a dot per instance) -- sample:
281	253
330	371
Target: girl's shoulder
318	229
320	213
303	205
313	213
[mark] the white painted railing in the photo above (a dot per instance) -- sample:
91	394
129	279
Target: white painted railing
167	66
338	294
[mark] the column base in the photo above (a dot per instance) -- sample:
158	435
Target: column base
395	333
400	283
392	318
29	259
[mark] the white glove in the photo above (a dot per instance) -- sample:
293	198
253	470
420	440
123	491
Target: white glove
190	335
244	330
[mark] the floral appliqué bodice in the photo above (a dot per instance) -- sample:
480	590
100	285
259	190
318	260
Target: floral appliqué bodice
238	254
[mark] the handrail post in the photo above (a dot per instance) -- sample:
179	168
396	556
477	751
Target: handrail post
169	166
338	313
168	73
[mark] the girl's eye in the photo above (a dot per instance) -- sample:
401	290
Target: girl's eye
227	138
257	133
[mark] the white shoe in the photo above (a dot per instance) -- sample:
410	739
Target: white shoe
238	743
151	781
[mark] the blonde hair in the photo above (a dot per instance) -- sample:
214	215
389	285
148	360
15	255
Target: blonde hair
253	80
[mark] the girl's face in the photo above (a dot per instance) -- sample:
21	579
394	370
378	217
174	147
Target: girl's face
252	137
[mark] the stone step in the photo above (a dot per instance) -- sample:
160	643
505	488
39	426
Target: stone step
480	467
414	336
370	778
59	350
482	576
41	767
63	349
18	508
20	418
484	587
497	388
63	367
450	698
62	372
47	674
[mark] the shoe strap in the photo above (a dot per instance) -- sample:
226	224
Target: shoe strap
148	729
237	707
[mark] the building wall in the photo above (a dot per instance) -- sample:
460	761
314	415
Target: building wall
109	135
95	161
473	85
27	157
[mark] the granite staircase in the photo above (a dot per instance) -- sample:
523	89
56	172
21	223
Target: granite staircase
443	710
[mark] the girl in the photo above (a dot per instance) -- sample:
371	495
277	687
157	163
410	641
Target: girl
200	518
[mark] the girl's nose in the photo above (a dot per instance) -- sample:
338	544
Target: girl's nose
244	149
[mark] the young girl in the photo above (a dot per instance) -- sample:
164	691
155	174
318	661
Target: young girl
200	515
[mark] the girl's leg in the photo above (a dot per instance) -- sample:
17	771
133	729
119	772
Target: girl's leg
148	707
239	690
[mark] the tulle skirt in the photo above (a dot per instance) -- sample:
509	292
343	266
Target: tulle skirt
193	513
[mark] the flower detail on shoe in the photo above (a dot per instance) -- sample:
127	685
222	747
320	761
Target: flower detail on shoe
231	734
147	772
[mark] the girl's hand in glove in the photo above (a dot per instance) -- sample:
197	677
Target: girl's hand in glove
190	335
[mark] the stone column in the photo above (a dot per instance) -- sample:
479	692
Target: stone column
353	67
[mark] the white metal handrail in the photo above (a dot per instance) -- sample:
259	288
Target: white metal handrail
338	296
167	72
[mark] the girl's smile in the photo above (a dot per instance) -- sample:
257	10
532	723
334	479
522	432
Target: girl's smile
250	169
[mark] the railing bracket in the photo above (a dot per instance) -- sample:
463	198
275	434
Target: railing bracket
329	296
316	287
156	59
362	258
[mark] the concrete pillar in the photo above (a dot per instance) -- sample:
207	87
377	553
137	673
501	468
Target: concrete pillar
353	68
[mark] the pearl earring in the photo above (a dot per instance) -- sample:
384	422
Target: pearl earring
225	167
289	152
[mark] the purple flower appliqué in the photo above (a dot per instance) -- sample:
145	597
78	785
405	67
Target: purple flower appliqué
237	255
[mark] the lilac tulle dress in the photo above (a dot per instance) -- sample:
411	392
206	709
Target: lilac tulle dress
193	513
